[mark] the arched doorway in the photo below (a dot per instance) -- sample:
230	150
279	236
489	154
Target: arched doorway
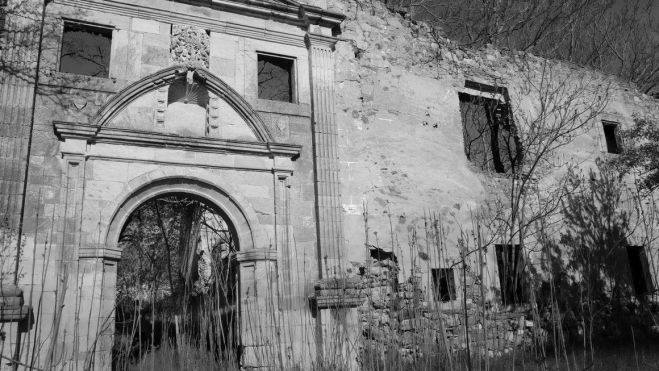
177	286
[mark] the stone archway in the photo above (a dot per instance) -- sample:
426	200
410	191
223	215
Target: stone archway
112	169
249	259
177	285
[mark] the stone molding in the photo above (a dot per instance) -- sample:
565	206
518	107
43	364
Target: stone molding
167	76
256	255
69	130
299	15
317	40
99	253
335	293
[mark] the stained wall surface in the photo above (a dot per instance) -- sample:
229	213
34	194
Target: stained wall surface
401	143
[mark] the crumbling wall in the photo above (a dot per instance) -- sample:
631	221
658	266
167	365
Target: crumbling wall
402	159
401	137
398	317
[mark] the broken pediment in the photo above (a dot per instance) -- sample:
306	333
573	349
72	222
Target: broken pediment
188	106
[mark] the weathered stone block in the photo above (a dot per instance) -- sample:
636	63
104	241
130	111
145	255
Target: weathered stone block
145	26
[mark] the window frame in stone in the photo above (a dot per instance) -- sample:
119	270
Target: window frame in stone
292	80
443	284
98	29
493	132
639	268
511	294
612	137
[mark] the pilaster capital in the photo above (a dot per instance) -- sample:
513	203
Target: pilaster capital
321	41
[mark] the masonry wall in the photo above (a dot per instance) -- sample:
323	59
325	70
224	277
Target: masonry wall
54	280
403	164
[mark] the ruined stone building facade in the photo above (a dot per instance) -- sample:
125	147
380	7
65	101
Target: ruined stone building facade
355	139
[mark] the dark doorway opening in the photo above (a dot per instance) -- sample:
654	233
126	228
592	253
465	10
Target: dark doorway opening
176	291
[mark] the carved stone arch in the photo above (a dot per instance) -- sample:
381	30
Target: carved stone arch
242	219
167	76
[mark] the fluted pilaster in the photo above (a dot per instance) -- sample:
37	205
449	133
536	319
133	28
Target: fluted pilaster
326	165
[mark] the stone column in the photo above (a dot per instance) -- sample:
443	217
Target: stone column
326	165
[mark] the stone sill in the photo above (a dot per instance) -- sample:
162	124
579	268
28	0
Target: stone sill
282	108
83	82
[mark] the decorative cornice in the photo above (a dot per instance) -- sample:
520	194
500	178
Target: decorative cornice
286	11
293	13
167	76
312	39
89	133
256	254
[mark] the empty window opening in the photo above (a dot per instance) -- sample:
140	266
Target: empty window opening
381	255
275	78
510	261
490	136
85	49
612	137
443	282
640	270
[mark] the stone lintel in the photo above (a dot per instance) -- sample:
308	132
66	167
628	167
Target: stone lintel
256	254
86	132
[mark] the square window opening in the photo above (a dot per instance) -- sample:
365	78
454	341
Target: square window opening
612	136
276	78
85	49
640	270
510	261
490	136
443	281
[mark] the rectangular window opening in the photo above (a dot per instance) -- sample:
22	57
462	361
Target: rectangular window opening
510	261
276	78
612	137
640	270
490	136
85	49
443	281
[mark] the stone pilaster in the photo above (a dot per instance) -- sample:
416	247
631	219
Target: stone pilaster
326	165
338	325
16	93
